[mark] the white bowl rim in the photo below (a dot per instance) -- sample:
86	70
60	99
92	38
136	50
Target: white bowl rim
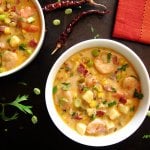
36	51
110	139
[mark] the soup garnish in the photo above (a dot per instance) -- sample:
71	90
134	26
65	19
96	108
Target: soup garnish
20	29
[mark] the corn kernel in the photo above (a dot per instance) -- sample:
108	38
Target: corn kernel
93	104
101	95
7	30
7	20
104	82
14	41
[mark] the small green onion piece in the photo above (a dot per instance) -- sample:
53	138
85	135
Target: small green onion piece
146	136
90	63
23	83
68	11
30	19
29	51
56	22
96	36
2	69
77	103
92	29
34	119
37	91
112	104
2	17
54	89
109	55
148	113
95	52
6	130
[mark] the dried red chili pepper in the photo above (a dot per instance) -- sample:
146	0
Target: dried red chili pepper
64	35
63	4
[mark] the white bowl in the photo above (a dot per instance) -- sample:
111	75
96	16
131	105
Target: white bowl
122	133
38	47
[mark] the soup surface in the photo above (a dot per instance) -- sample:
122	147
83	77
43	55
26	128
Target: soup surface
96	91
20	30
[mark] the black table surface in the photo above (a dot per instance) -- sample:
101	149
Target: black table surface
22	133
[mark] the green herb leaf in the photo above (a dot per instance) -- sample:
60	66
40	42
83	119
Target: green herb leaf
132	109
138	94
23	108
123	67
65	86
112	103
109	57
19	99
22	46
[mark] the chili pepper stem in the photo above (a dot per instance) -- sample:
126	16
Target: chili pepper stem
58	46
96	4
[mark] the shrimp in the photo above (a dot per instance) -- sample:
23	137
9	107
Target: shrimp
68	95
130	84
9	59
26	12
96	127
90	80
102	67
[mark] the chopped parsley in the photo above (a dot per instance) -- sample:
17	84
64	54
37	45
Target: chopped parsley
110	104
123	67
137	94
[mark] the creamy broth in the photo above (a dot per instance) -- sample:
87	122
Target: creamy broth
96	91
20	30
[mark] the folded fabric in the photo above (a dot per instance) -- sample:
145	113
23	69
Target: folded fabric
132	20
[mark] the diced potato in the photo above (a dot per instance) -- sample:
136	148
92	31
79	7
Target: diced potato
7	30
91	111
88	96
81	128
14	41
113	113
77	102
123	108
110	124
30	19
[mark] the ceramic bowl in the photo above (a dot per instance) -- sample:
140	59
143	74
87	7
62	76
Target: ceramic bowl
120	134
38	47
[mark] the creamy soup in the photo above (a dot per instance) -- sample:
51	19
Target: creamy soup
20	29
96	91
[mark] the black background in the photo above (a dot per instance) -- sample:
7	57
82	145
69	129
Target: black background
22	133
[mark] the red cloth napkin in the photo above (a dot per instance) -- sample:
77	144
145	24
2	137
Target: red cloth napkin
133	20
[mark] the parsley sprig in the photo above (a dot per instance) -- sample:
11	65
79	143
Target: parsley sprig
16	103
